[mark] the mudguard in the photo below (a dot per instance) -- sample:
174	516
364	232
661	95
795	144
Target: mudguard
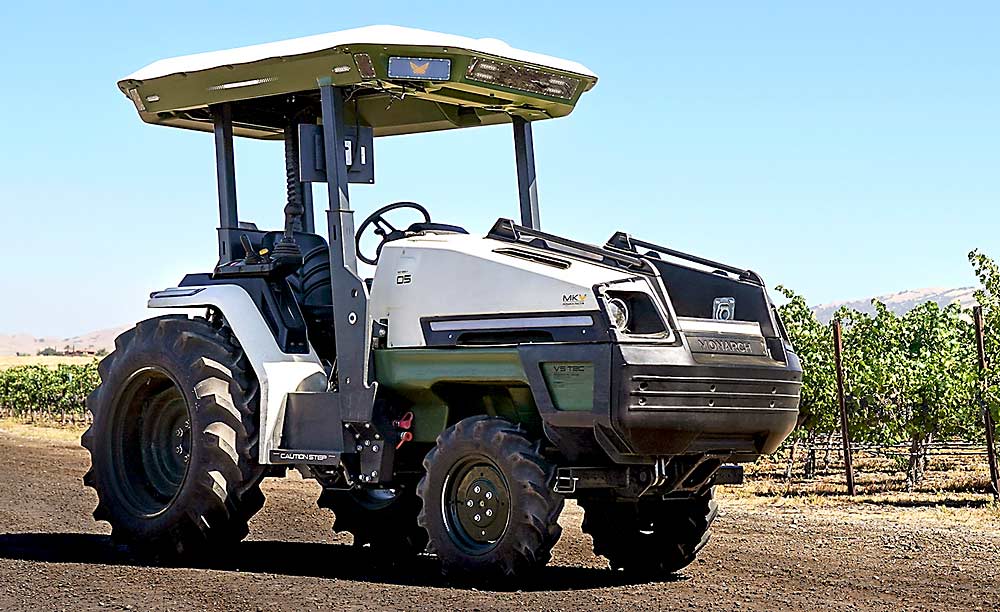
278	373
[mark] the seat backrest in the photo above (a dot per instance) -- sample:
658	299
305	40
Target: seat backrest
311	282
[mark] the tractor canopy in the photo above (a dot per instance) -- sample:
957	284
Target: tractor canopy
400	81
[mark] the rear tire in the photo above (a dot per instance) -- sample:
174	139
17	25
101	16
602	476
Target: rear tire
649	537
488	502
174	436
383	519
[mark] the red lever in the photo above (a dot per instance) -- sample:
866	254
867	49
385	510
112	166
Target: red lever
405	421
404	438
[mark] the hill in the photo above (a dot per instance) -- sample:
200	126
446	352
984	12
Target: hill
26	344
902	302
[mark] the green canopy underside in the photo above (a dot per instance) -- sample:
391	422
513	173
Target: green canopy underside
260	91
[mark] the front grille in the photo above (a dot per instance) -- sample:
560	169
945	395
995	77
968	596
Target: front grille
649	392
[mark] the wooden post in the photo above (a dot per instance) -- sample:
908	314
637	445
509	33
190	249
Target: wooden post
838	350
991	450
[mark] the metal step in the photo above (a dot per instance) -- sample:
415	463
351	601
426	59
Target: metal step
308	457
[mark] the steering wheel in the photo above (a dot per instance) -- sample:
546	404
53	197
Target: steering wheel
384	229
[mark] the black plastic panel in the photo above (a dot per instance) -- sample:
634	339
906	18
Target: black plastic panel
276	303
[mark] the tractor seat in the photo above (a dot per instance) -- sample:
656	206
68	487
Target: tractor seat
311	283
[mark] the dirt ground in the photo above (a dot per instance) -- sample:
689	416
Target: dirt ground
767	553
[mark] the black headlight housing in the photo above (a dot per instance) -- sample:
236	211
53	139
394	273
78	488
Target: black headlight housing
640	315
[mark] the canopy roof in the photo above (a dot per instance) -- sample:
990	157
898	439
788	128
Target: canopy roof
400	81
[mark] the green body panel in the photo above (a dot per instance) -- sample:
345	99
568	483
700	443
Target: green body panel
182	99
571	384
445	385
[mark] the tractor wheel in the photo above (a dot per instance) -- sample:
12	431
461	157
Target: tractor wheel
651	537
383	519
174	438
488	504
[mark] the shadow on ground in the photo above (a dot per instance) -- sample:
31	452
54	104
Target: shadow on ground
316	560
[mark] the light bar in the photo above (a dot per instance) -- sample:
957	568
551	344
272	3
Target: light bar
238	84
515	323
522	78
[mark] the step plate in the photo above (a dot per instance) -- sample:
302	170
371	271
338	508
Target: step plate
286	456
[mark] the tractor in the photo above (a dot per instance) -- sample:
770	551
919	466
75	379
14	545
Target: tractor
452	402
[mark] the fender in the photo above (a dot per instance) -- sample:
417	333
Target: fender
278	373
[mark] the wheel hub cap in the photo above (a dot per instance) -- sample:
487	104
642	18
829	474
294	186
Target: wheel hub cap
479	505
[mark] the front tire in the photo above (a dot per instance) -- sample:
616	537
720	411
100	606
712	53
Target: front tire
489	507
173	438
650	537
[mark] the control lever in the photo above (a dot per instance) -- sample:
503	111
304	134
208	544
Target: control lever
252	257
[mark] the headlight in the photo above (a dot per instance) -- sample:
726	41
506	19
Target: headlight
634	312
618	312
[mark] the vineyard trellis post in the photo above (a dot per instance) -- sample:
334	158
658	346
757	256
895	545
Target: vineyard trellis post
838	350
991	451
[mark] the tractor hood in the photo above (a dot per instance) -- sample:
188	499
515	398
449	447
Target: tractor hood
406	81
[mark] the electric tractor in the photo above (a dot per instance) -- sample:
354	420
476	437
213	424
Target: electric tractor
452	402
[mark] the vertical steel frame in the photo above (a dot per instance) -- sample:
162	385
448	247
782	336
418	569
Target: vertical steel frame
225	168
527	188
350	295
308	215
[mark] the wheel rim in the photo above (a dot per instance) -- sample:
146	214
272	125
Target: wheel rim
151	441
476	504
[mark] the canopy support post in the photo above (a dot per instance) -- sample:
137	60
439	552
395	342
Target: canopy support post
225	169
350	295
527	188
308	215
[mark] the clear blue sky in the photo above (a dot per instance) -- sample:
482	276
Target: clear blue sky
844	149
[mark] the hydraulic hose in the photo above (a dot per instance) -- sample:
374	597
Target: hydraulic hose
294	209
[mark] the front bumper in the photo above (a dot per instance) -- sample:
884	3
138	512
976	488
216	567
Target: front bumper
658	400
672	404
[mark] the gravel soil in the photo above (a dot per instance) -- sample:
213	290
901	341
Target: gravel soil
766	554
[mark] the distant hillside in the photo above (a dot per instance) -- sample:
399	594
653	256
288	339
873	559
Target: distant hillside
12	344
901	302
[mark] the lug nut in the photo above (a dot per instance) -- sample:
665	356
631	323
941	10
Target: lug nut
375	448
477	518
489	512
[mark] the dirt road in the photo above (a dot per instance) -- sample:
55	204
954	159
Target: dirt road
763	556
